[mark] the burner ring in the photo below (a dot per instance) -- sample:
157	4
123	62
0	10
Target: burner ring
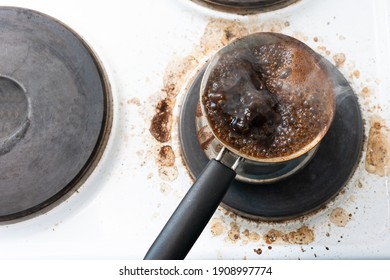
326	174
245	6
56	88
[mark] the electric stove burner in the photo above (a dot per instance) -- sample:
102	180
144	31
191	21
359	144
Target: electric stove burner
54	110
247	6
307	190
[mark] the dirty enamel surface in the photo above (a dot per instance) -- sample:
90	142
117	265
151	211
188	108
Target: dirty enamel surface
151	51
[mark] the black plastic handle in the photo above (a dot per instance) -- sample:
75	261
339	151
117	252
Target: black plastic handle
193	213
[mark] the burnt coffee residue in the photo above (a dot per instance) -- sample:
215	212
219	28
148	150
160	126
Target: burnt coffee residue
258	251
365	92
166	156
273	235
301	236
176	73
217	227
161	123
340	217
234	232
378	157
218	33
253	106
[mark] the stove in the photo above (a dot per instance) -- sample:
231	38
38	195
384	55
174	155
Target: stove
149	58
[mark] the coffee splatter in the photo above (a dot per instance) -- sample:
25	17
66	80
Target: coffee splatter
377	158
175	76
356	74
220	32
234	232
366	92
258	251
251	235
339	59
302	235
166	156
339	217
160	127
273	236
217	227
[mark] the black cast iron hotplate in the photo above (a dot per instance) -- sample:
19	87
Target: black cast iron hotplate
303	192
54	110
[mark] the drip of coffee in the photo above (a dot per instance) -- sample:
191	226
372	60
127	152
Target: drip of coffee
269	100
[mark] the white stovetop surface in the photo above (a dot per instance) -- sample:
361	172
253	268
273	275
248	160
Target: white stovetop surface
123	205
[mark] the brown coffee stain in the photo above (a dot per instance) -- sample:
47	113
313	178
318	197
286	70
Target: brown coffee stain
217	227
339	59
377	157
273	235
161	124
258	251
366	92
303	235
220	32
175	76
339	217
234	232
166	156
356	74
251	236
